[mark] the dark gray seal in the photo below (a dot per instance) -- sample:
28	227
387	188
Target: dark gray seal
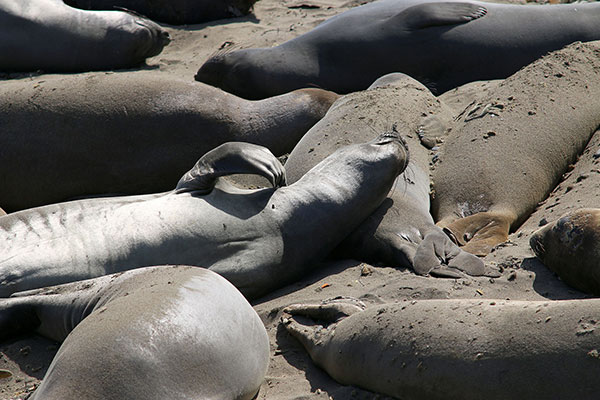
457	349
443	44
401	232
257	239
175	12
510	148
570	246
152	333
51	36
130	133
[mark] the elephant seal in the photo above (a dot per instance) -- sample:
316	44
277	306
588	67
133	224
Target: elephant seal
443	44
570	248
457	349
153	333
48	35
401	232
509	149
154	127
175	12
257	239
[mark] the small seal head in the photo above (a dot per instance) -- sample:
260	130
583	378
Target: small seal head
570	247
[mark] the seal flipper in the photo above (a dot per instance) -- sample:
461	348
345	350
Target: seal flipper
438	14
314	337
479	232
228	159
439	256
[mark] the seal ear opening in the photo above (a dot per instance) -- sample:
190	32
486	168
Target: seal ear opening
437	14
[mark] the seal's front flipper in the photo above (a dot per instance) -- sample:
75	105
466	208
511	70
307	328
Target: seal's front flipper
437	255
438	14
480	232
228	159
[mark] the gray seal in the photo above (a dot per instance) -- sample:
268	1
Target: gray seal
49	35
443	44
510	148
456	349
257	239
56	133
401	232
154	333
174	12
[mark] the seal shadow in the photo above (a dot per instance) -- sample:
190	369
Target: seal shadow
31	353
197	27
548	284
235	203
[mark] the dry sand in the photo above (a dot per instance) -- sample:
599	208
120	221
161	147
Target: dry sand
291	374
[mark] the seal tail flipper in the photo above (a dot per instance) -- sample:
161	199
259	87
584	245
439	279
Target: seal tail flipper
479	233
314	337
16	318
438	255
228	159
431	15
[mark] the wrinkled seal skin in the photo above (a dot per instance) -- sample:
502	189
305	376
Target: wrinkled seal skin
401	232
153	127
511	148
257	239
175	12
442	44
48	35
153	333
457	349
570	246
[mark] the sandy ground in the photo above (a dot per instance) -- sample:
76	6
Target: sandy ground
291	374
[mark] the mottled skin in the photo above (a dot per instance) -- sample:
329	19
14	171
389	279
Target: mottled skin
175	12
570	246
442	44
510	148
56	134
401	232
152	333
257	239
51	36
456	349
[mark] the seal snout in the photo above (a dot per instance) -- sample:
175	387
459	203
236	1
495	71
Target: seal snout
158	38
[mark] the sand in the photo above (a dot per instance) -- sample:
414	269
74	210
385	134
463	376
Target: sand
291	374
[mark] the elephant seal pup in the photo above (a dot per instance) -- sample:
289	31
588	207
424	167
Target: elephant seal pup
154	333
154	127
570	248
442	44
258	239
510	149
401	232
51	36
175	12
457	349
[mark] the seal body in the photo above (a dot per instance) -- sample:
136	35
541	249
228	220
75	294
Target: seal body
569	246
153	333
457	349
401	232
508	150
56	133
51	36
442	44
257	239
176	12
